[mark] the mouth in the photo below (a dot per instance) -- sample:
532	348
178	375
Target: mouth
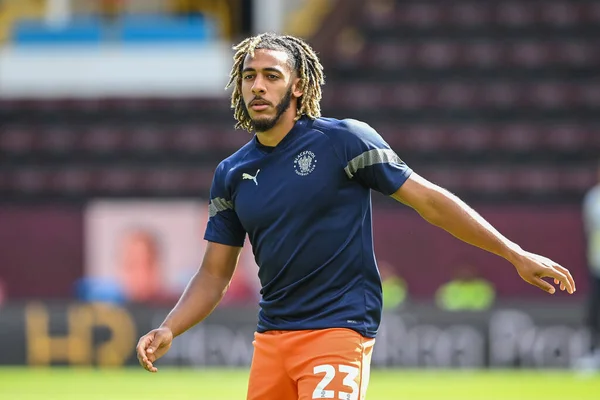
259	105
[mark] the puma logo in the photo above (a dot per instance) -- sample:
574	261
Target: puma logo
252	178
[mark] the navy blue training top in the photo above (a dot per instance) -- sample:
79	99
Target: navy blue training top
306	207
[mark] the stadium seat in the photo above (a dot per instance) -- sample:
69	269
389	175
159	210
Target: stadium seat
456	95
549	95
565	138
438	54
517	138
158	28
420	15
488	179
589	95
190	138
408	95
101	139
469	14
16	140
424	138
77	31
71	180
577	178
57	140
115	180
451	179
198	180
380	14
483	53
161	180
144	139
471	138
388	55
30	180
592	12
500	94
536	180
576	53
513	13
528	54
561	14
493	99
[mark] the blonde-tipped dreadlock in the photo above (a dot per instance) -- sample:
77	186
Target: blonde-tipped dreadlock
304	61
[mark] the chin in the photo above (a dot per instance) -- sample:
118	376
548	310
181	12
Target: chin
261	120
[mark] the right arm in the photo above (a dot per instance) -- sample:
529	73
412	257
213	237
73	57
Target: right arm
225	235
205	290
202	294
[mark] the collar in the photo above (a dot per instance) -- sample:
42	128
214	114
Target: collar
288	138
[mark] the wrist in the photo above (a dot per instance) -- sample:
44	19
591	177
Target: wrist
167	326
512	253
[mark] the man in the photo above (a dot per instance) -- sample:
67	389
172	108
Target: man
591	217
300	189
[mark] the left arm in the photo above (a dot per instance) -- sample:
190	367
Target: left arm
443	209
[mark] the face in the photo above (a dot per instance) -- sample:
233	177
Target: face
139	268
269	88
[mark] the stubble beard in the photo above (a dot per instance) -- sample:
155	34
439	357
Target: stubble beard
265	124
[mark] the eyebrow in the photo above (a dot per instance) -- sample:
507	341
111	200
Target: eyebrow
267	69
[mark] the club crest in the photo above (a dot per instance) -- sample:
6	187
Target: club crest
305	163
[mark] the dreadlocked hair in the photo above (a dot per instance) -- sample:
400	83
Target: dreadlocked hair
303	60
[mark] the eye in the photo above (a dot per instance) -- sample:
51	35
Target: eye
248	77
272	77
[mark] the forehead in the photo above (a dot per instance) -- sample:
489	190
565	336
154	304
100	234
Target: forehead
264	58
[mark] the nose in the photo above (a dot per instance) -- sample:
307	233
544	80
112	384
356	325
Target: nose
258	86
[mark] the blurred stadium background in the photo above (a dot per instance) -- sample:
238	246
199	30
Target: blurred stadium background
113	116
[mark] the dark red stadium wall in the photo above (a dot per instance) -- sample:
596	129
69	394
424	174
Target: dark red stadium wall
41	250
427	256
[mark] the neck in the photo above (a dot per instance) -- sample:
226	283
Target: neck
273	136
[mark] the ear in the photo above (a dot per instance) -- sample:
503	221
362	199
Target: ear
298	88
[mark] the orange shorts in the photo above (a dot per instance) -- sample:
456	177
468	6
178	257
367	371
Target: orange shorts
312	364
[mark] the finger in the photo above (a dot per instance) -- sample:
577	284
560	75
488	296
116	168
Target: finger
568	275
562	286
556	274
556	281
141	355
141	348
150	367
146	364
568	280
542	284
154	344
141	351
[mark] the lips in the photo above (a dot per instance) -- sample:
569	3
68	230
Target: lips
259	105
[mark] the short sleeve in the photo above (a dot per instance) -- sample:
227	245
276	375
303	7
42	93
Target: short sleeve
370	160
223	225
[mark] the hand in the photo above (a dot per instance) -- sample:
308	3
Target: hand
532	268
153	346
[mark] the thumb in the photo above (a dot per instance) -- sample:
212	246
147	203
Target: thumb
155	343
545	286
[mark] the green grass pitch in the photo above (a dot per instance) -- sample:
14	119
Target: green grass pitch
221	384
